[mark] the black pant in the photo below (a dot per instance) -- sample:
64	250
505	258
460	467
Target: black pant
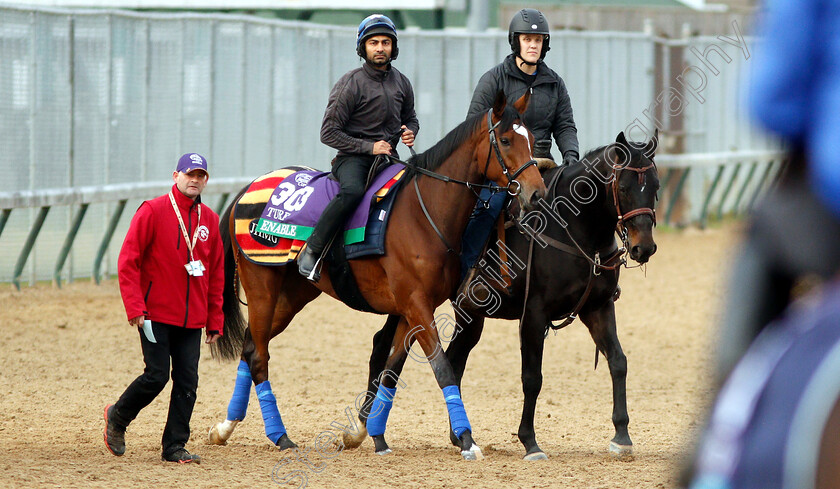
351	171
183	345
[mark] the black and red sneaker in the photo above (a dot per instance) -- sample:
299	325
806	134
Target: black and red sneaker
114	434
182	456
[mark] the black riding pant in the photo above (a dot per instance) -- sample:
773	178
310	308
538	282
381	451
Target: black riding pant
351	171
183	345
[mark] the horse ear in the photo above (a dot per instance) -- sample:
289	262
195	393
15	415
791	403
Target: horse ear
522	104
650	148
499	104
620	139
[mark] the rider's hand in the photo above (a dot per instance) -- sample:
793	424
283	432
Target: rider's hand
407	136
381	148
570	158
137	322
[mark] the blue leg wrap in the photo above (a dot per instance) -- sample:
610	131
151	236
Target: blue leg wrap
274	428
455	406
241	392
380	409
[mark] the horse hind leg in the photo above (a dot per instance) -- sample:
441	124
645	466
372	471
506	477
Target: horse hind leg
270	310
238	405
602	328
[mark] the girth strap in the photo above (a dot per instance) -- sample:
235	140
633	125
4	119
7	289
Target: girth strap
449	248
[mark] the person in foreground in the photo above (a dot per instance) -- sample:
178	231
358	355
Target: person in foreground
775	421
171	275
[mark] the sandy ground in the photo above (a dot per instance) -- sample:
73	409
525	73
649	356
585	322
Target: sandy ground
66	353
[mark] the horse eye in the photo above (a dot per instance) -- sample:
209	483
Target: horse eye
505	141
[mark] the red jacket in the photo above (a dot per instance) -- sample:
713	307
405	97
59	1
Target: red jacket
153	280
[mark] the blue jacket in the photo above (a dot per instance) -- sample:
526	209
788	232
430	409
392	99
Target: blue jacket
795	88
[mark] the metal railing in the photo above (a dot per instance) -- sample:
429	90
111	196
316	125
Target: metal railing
81	198
729	190
725	188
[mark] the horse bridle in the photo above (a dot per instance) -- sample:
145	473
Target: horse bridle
623	218
491	129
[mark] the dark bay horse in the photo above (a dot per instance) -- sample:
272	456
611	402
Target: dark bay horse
568	265
418	272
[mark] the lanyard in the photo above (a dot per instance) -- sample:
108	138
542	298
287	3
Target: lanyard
190	245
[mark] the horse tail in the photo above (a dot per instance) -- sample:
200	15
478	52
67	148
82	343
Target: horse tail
229	345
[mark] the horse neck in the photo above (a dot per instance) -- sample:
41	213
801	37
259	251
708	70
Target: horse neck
593	226
450	204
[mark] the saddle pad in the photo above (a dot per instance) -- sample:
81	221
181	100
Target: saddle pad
298	201
273	249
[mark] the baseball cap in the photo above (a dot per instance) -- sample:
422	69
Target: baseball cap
190	162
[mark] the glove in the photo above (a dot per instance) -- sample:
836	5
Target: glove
570	158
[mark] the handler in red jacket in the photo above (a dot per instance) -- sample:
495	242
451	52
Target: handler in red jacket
171	272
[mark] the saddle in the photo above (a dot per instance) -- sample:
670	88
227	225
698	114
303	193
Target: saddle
277	212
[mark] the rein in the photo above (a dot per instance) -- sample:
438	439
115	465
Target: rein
494	146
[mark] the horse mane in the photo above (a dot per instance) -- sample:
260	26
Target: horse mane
432	158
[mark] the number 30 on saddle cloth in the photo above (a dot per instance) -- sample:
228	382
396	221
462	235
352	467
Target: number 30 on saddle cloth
278	211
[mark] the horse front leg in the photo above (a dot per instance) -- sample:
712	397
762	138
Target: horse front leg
532	342
467	333
382	341
425	333
602	327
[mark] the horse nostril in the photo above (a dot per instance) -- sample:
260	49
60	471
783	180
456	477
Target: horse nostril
635	251
535	197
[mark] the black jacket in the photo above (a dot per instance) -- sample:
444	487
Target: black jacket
368	105
549	111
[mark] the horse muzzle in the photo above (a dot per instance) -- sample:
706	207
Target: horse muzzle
641	253
528	195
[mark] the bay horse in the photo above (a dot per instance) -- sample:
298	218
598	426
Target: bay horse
417	273
568	266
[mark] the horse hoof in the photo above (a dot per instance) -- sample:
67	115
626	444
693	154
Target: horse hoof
474	453
285	442
354	440
220	432
535	456
384	452
621	452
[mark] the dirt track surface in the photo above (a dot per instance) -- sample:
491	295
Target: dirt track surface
66	353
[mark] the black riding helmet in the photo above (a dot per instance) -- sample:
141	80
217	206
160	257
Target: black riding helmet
528	20
376	25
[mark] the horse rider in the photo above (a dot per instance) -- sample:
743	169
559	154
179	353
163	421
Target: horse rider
366	107
549	113
171	274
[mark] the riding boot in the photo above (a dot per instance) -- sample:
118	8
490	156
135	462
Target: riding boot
476	291
351	172
308	264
